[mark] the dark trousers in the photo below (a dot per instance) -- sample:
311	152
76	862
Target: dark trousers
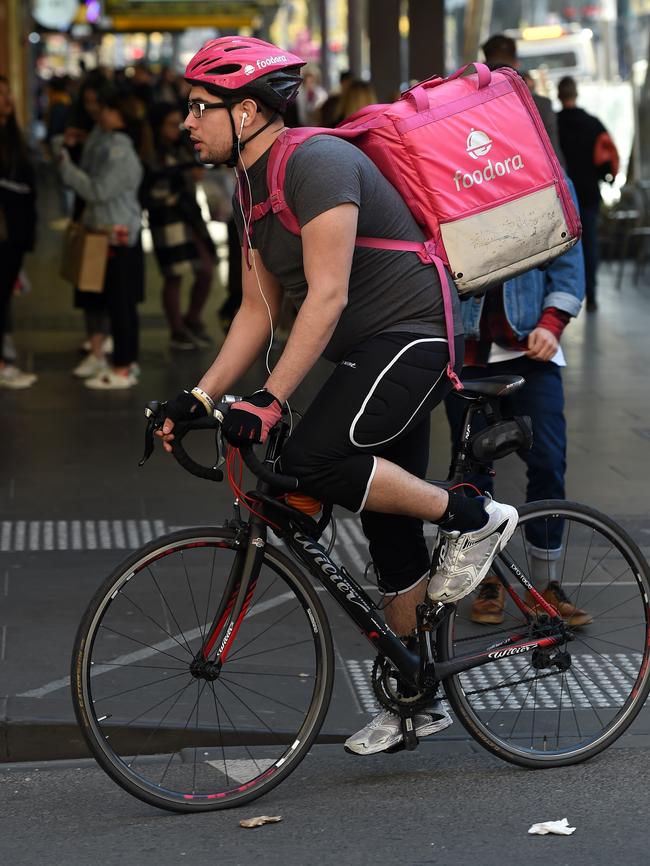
376	403
11	259
589	219
542	397
123	289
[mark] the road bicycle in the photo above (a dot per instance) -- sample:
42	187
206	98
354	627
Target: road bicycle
203	666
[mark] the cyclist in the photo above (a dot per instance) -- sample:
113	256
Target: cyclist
378	315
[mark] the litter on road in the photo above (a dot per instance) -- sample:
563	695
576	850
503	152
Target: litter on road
559	828
260	820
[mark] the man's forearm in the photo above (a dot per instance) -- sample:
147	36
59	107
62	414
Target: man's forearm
309	336
249	333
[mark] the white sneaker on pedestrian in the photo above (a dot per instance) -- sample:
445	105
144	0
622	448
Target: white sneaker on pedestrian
90	366
12	377
109	380
465	558
385	730
107	345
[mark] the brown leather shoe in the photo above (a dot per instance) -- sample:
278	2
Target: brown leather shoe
570	613
487	608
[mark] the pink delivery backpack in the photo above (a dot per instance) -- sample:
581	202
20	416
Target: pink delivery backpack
471	158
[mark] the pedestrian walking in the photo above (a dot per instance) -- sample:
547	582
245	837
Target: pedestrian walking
591	157
17	224
84	134
501	50
109	184
181	240
515	329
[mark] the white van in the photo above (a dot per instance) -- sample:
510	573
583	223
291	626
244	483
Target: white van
555	51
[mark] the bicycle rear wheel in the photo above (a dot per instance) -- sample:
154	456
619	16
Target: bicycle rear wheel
526	709
193	744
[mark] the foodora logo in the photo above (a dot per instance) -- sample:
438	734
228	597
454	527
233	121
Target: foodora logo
479	144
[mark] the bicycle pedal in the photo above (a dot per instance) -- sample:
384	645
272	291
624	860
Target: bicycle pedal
409	737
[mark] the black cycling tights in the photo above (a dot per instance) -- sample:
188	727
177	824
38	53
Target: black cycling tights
375	404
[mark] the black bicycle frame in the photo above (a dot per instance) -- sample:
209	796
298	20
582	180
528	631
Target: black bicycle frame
251	539
355	602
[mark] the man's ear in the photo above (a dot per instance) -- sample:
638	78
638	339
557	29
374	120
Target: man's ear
250	107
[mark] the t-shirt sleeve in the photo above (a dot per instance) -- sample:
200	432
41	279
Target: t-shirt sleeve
321	174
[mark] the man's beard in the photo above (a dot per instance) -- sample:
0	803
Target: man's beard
217	157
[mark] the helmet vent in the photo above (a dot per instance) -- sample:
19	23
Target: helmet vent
225	69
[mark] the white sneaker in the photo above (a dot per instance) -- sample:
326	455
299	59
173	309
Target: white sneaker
109	380
12	377
90	366
385	730
107	345
465	558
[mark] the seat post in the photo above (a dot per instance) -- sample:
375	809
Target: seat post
457	468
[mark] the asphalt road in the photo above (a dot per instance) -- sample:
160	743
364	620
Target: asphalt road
444	804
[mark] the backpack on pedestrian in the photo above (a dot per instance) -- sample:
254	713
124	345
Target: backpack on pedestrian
471	159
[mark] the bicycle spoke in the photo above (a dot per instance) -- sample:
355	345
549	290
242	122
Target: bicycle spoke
167	605
143	686
264	631
262	695
267	651
196	612
156	623
146	645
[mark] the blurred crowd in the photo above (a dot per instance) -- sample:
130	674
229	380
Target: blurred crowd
123	160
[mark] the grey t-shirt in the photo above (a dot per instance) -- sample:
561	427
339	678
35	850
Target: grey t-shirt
388	290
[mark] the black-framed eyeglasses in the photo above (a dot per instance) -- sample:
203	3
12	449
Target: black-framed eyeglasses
197	108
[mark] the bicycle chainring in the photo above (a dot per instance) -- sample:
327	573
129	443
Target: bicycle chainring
385	680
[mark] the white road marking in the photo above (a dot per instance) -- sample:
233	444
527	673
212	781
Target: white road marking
147	652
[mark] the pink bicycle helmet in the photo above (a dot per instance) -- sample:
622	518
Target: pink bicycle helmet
238	66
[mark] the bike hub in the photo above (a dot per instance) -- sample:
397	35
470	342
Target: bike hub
201	669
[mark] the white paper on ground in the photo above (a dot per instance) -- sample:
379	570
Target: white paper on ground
559	828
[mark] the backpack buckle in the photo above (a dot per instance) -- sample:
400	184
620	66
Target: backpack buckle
277	201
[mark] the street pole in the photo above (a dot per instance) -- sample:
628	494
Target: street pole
426	39
325	44
383	31
355	35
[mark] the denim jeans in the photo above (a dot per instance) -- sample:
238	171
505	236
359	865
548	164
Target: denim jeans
589	220
542	397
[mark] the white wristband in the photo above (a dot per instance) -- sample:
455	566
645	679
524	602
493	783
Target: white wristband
203	398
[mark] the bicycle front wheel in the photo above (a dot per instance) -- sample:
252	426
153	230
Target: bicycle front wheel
535	711
186	742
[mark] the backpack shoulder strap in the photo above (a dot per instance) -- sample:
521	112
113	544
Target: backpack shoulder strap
276	171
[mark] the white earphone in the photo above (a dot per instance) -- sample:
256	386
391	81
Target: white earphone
241	125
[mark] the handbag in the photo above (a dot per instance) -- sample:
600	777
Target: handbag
85	253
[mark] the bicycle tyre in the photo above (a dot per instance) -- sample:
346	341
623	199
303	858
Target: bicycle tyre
600	672
251	747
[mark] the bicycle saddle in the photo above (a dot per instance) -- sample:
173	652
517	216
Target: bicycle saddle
491	386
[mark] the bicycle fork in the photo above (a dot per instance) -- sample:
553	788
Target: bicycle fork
250	543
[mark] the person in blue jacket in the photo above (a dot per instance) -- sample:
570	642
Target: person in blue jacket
515	329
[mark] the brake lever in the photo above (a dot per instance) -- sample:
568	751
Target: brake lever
152	412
